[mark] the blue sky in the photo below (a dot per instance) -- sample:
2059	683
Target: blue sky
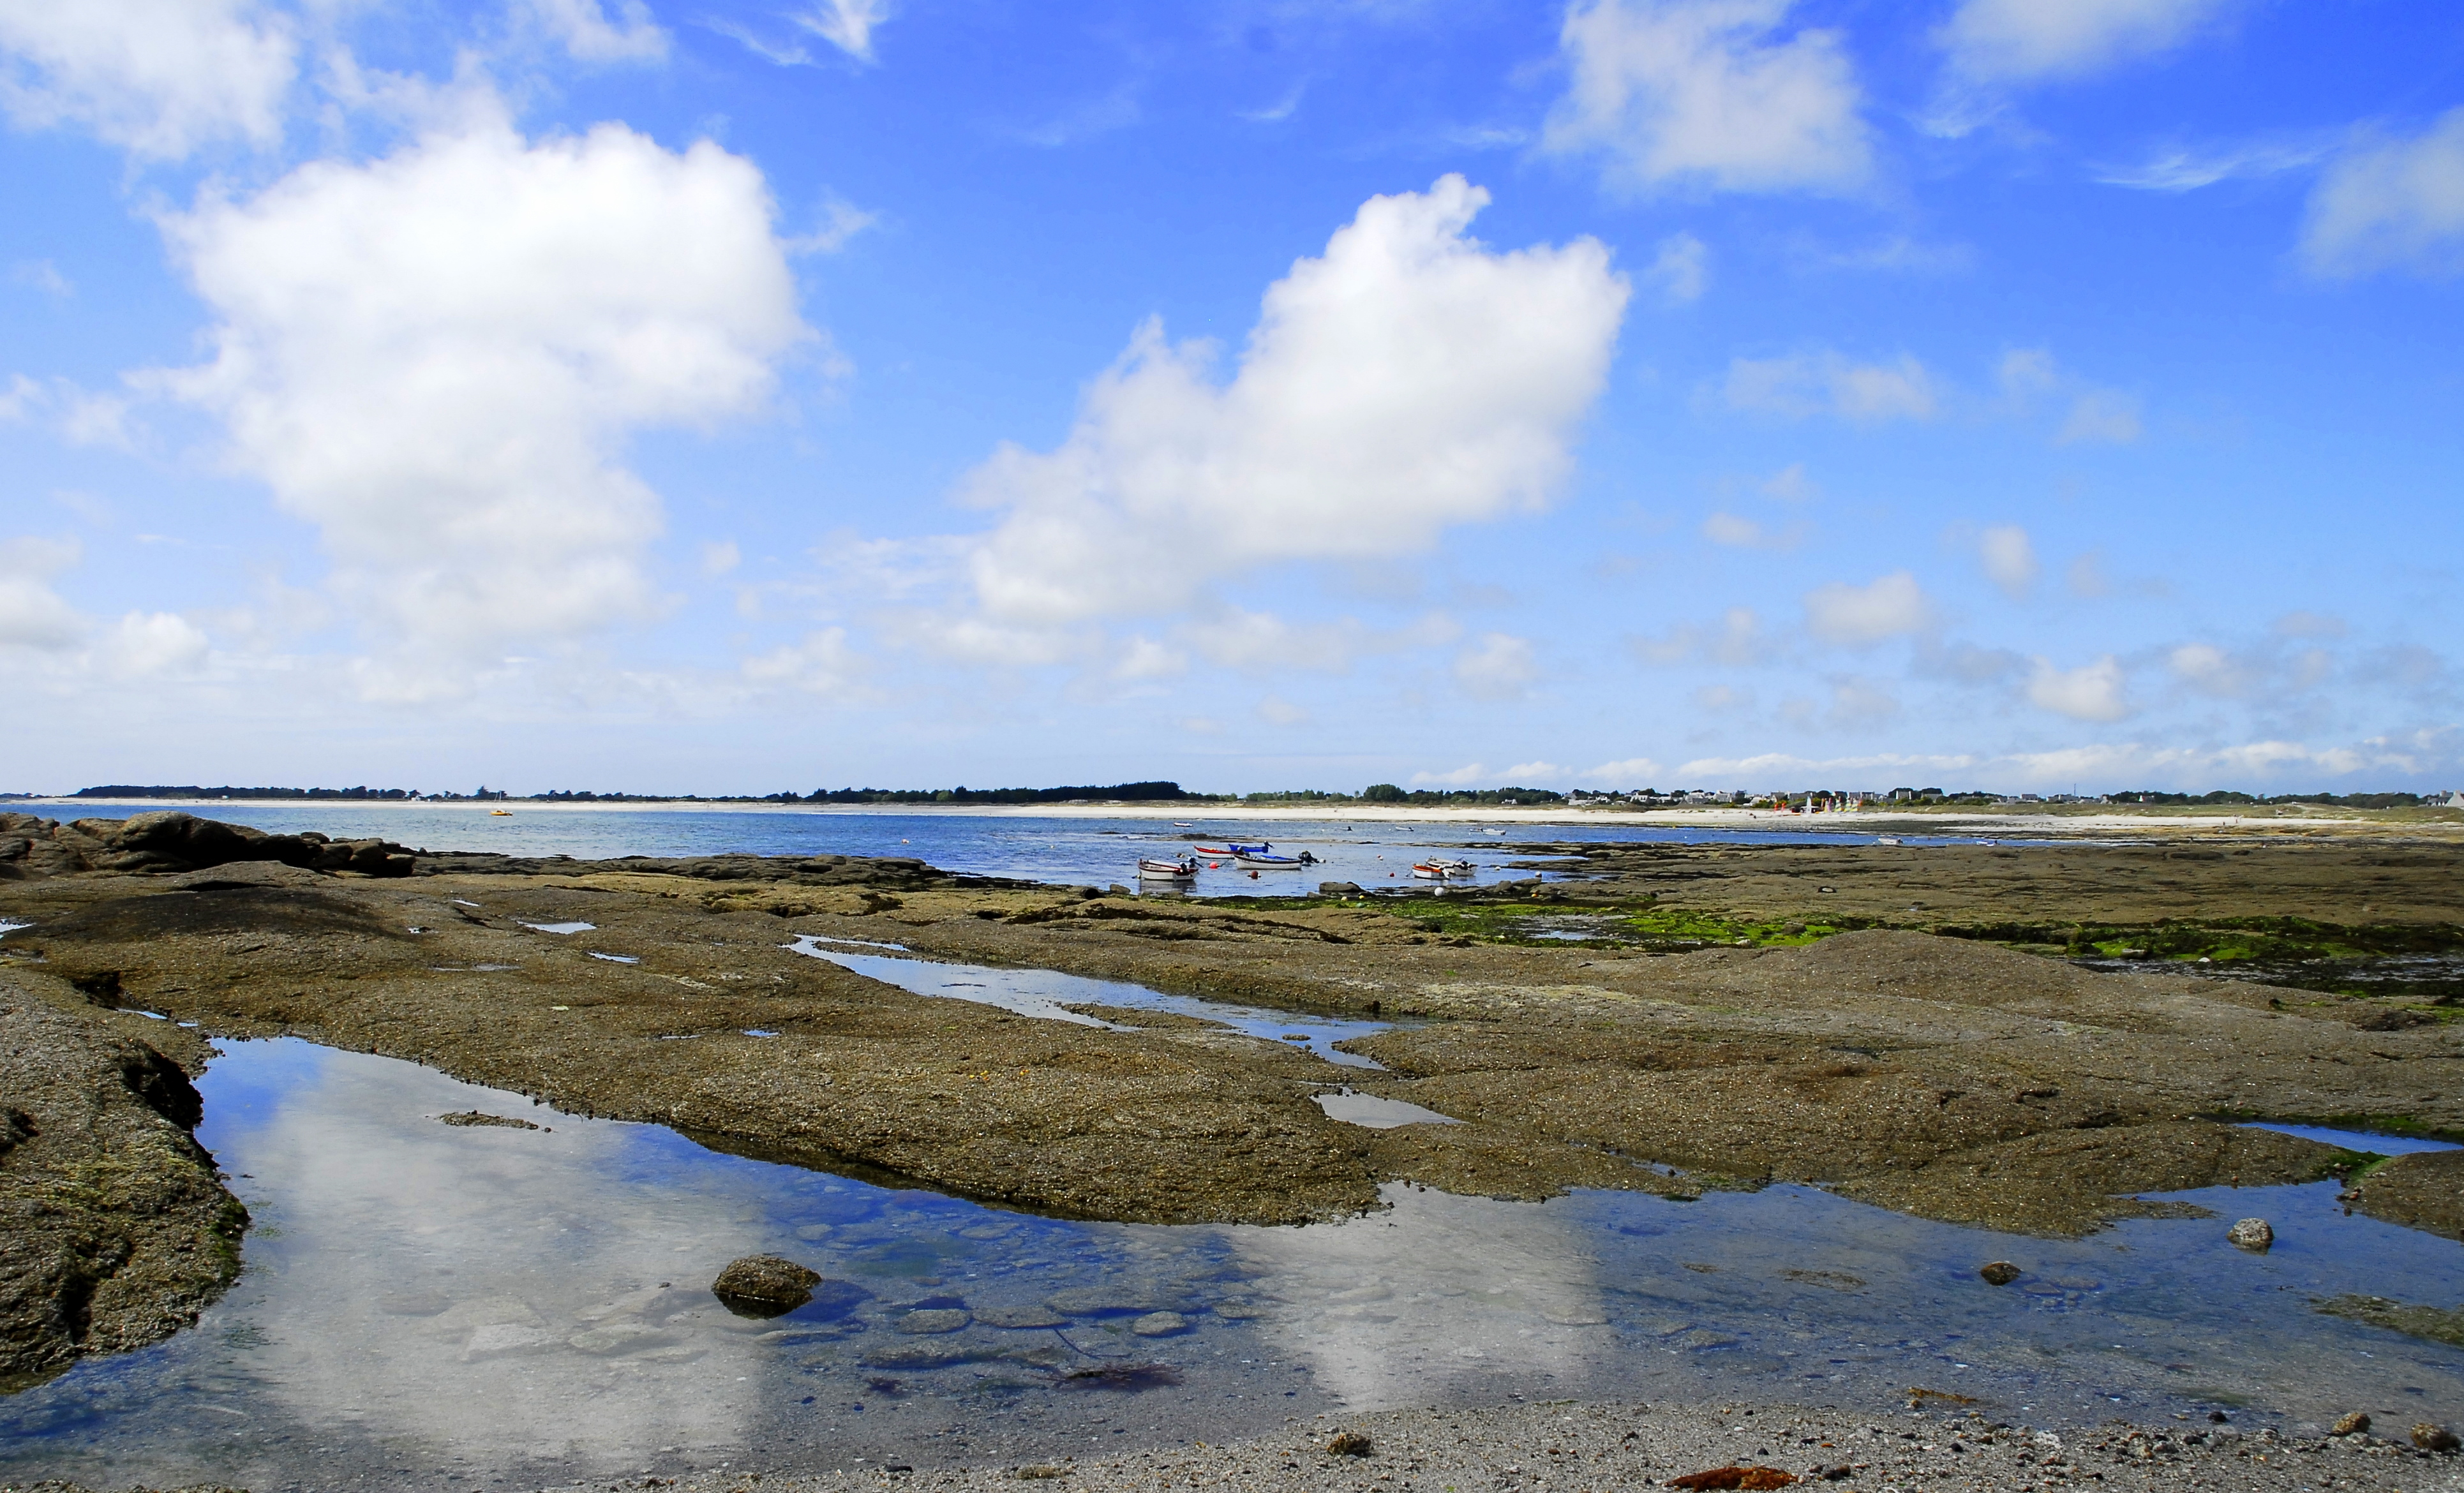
740	396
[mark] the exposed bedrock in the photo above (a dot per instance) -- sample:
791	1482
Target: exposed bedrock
115	1231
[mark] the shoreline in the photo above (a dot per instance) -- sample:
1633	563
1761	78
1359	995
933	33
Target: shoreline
1609	1443
2033	826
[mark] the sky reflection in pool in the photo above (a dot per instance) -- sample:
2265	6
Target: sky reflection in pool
421	1298
1044	993
2378	1141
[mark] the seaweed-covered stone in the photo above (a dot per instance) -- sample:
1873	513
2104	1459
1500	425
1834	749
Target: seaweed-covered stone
765	1286
2353	1423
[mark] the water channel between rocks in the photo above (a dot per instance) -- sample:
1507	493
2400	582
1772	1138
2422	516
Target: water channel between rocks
425	1302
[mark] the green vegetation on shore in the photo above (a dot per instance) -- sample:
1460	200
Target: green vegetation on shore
2239	940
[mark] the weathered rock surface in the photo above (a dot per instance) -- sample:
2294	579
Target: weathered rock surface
115	1231
168	841
2251	1233
766	1282
1941	1076
2421	1191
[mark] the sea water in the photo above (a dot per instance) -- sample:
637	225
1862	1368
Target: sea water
1064	852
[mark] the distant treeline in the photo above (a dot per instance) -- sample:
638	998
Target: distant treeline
1124	792
2346	801
122	790
1389	792
1132	792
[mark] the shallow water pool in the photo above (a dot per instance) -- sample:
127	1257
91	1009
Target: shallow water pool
424	1301
1048	994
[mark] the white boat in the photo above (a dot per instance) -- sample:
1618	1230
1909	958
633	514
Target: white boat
1167	871
1270	862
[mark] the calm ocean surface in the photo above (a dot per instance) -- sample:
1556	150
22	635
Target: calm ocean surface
1067	851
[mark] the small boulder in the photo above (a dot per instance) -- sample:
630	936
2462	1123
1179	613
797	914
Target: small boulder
1340	888
2353	1423
2251	1234
1349	1443
1159	1324
2001	1272
765	1286
2433	1437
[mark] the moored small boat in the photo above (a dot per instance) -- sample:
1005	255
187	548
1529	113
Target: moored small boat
1167	871
1245	856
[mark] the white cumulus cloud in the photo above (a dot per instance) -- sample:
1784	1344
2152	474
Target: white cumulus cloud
2091	692
436	356
1806	384
1707	93
1735	640
2028	40
585	29
2030	375
2392	205
822	664
33	615
1890	607
142	645
1496	666
2009	559
1409	379
157	77
1681	269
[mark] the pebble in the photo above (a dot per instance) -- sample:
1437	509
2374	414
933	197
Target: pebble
2433	1438
2353	1423
2251	1234
1159	1324
2001	1272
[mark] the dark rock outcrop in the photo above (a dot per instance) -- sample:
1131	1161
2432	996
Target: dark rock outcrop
168	841
115	1231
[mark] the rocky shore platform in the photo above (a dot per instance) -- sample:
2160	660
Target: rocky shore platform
1927	1068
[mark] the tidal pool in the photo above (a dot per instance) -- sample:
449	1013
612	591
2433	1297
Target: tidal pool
427	1303
1048	994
